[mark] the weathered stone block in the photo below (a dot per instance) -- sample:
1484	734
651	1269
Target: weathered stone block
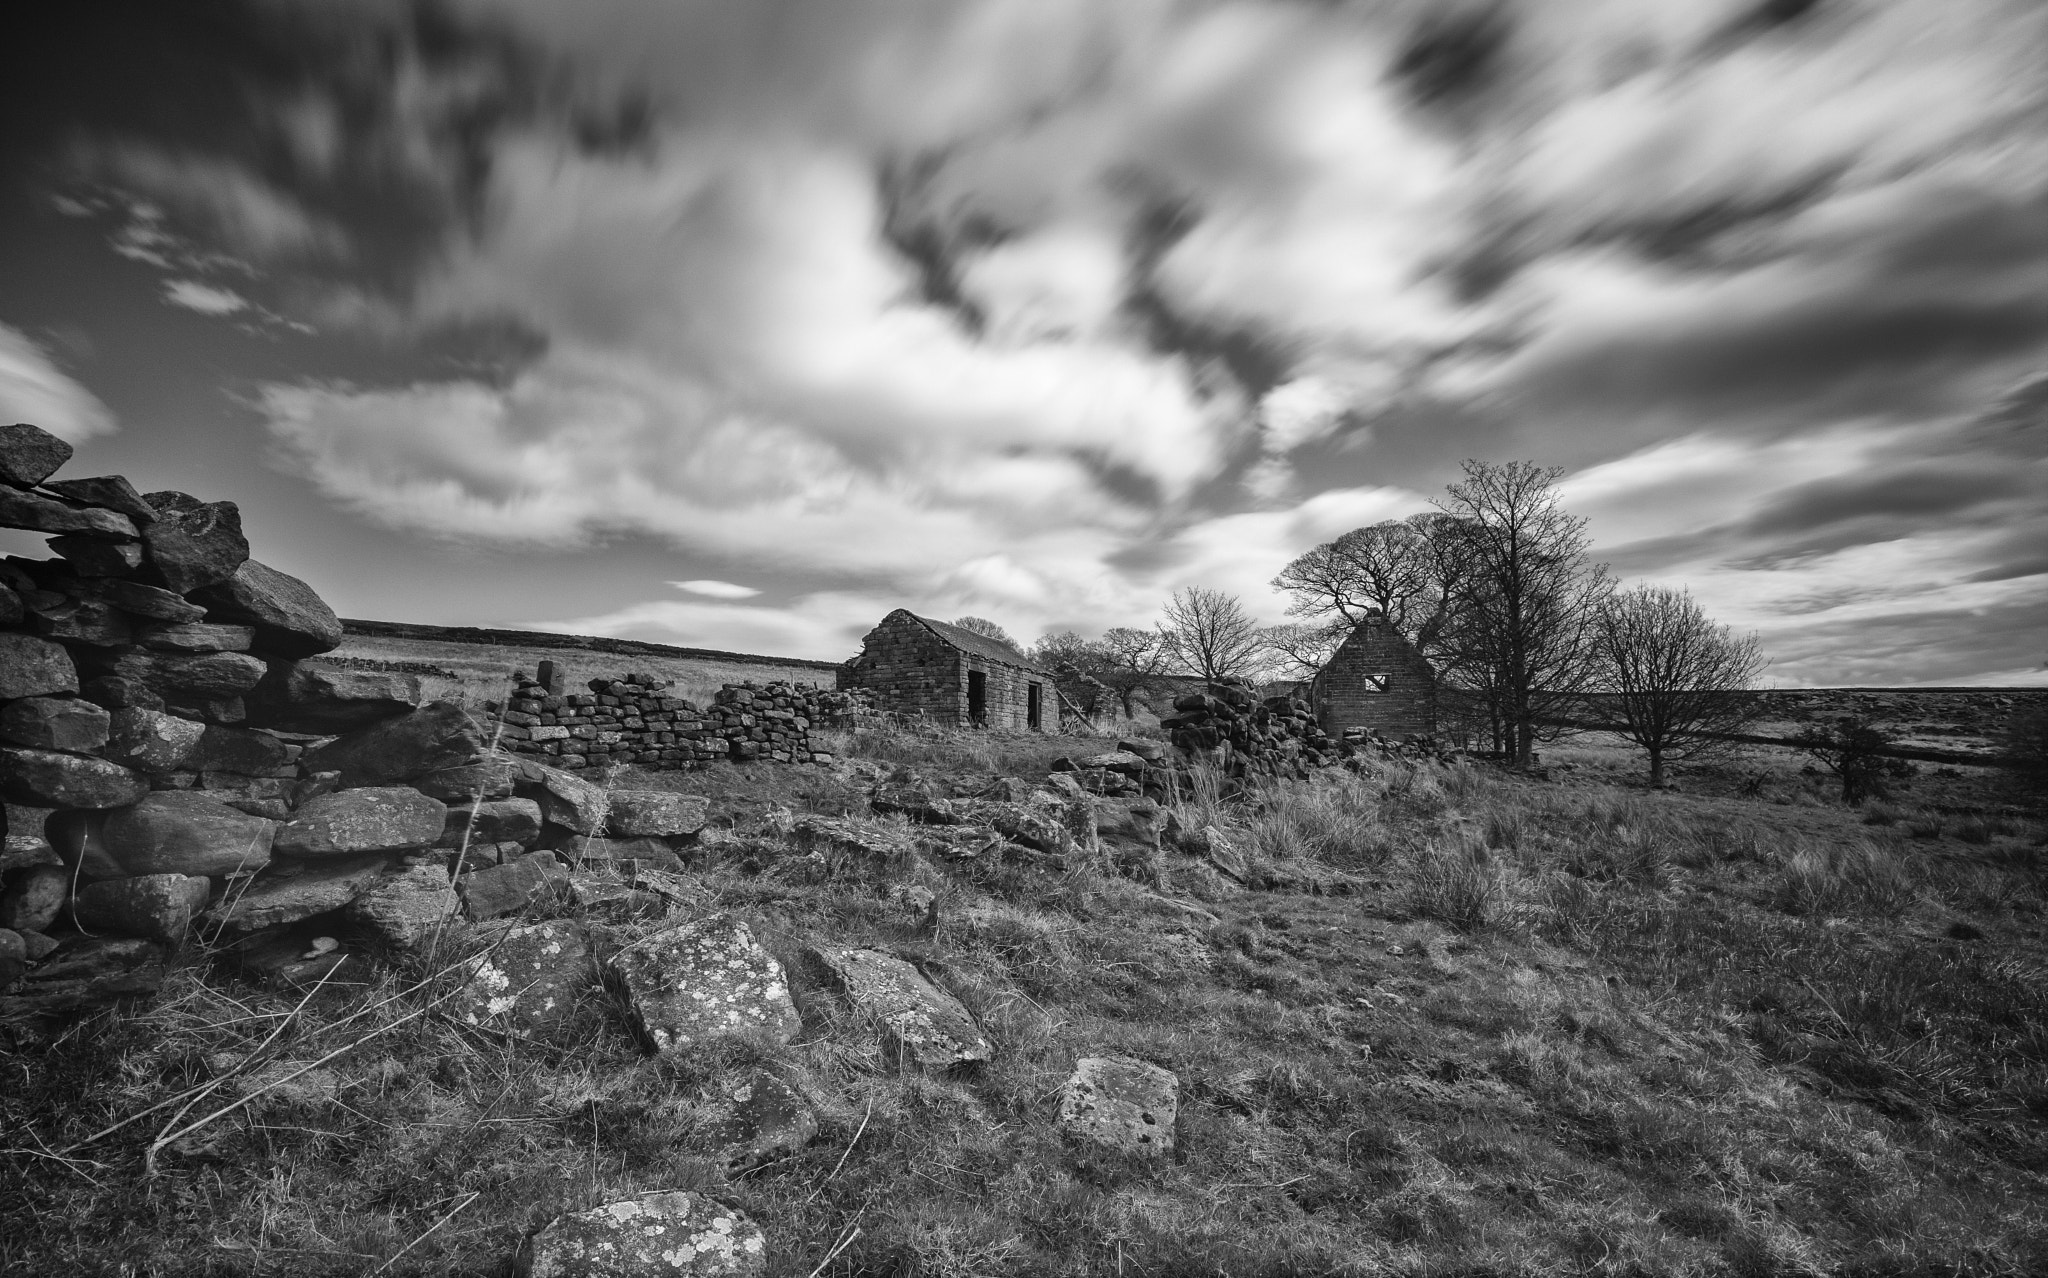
168	832
55	723
406	906
1122	1104
472	783
111	491
98	557
195	637
194	543
662	1235
924	1026
151	741
657	813
30	454
688	984
290	619
440	734
31	667
36	513
149	905
352	822
293	891
32	901
303	697
498	890
492	821
50	779
530	980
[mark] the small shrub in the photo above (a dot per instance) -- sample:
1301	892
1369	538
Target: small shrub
1461	885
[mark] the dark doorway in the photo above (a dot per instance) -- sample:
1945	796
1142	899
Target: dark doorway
977	698
1034	697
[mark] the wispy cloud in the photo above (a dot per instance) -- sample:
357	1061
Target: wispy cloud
204	298
35	390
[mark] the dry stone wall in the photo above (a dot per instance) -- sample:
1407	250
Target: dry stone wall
175	756
633	719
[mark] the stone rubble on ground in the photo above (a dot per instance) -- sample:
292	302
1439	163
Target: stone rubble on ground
661	1235
1121	1104
921	1025
697	981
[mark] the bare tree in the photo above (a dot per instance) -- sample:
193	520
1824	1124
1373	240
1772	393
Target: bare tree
1298	651
1674	677
1208	633
983	626
1131	662
1405	569
1523	621
1075	665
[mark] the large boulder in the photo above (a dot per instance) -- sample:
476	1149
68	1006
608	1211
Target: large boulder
440	734
51	779
654	813
530	980
302	697
922	1025
111	491
150	905
406	906
29	454
290	619
352	822
671	1234
565	799
194	543
168	832
32	667
293	891
151	741
686	985
54	723
1121	1104
37	513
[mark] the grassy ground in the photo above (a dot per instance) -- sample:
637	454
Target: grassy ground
473	672
1520	1026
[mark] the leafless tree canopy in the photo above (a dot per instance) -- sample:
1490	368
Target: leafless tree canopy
1208	633
983	626
1523	619
1296	651
1126	663
1673	674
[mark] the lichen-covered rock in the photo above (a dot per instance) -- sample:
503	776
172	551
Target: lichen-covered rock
440	734
530	980
294	891
352	822
152	741
194	543
663	1235
303	696
148	905
1121	1104
654	813
406	906
54	723
32	667
52	779
565	800
290	619
763	1118
921	1024
699	980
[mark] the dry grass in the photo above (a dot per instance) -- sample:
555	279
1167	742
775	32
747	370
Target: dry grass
1545	1028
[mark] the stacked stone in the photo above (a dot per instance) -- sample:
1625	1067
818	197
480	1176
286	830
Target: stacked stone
1365	745
1278	735
633	719
173	754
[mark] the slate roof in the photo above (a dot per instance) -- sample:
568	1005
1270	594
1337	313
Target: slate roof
978	644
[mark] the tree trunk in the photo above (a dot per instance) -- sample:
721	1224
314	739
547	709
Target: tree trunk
1656	768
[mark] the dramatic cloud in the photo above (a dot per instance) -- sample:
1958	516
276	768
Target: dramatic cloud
32	389
1040	308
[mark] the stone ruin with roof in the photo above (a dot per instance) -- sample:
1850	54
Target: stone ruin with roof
1376	679
950	677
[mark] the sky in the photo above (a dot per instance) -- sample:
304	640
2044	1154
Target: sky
738	325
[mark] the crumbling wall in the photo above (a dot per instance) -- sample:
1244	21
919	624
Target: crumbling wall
1376	679
633	719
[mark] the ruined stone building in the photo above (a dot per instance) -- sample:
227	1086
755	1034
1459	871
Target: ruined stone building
1376	679
949	676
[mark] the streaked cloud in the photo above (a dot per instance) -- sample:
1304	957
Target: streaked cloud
33	389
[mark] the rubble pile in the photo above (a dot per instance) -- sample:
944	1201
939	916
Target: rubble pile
1244	735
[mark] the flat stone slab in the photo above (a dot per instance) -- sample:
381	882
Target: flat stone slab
498	890
694	982
862	842
664	1235
925	1026
1122	1104
565	799
530	981
297	892
351	822
655	813
491	821
440	734
764	1118
51	779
